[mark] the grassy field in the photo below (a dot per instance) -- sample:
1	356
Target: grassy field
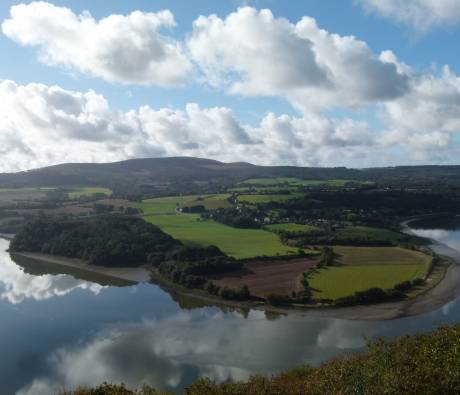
255	199
367	267
339	281
262	189
167	205
290	227
89	191
239	243
367	256
210	202
368	233
271	181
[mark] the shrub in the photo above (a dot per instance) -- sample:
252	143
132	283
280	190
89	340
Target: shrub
278	300
404	286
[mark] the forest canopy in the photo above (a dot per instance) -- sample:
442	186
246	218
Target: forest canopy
105	240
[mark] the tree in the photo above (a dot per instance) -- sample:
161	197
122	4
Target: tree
327	257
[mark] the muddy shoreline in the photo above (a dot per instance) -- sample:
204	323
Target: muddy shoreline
131	274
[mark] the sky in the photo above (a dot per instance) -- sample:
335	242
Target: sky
354	83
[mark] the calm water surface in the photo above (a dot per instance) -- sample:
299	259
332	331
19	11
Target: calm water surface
60	331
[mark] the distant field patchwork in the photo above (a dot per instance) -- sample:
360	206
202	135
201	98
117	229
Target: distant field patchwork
169	204
88	192
17	194
264	198
291	227
292	181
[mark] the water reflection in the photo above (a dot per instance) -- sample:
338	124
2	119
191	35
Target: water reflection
144	335
449	238
171	353
17	285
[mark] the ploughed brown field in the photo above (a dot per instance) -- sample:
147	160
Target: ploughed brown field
268	277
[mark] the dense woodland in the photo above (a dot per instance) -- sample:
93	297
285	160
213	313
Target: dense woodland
372	206
107	240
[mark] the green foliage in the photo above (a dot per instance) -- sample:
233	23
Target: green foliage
243	219
265	198
241	293
278	300
292	228
106	240
370	296
349	235
327	257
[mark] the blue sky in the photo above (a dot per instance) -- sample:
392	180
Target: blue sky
424	50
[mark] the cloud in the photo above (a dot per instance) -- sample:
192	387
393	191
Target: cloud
428	116
42	125
124	49
19	286
310	67
172	352
421	15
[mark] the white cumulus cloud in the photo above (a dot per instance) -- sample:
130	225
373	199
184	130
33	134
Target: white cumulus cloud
127	49
253	53
421	15
42	125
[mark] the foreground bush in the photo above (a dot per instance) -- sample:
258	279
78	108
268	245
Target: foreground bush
419	364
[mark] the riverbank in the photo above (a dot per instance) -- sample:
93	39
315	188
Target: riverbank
440	290
132	274
430	299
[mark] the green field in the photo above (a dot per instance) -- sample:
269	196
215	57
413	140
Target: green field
263	189
168	205
257	199
290	227
380	255
239	243
367	267
271	181
210	202
89	191
340	281
368	233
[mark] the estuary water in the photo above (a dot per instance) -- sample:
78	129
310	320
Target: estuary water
59	331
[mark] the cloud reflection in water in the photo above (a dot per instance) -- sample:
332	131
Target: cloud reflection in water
173	352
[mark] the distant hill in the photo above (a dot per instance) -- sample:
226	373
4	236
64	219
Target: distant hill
186	173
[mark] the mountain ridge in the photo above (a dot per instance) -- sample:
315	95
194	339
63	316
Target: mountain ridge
145	173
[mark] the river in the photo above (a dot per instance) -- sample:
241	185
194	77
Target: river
60	331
